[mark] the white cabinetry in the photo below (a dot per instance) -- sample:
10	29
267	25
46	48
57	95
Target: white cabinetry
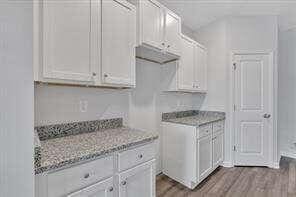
102	189
104	177
158	32
189	74
138	181
191	153
85	42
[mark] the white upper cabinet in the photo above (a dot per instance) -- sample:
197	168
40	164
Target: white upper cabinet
189	73
186	65
151	24
118	43
200	68
158	32
67	29
172	33
85	42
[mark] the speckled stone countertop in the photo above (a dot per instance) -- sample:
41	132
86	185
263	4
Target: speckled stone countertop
193	117
62	151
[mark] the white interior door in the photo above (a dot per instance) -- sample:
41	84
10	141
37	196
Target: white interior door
253	119
118	42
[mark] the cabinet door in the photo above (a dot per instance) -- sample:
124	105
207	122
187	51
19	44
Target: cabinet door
204	151
172	33
138	181
200	68
186	65
118	42
67	30
102	189
151	24
217	149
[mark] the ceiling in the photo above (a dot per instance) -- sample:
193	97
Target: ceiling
198	13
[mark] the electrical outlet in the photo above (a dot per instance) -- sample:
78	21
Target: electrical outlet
83	104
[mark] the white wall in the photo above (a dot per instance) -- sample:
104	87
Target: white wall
58	104
222	37
16	95
287	92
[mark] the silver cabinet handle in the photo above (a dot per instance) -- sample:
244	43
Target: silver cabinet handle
86	175
266	116
123	183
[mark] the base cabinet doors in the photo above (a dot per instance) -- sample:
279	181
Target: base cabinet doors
67	40
118	42
138	181
102	189
204	151
217	149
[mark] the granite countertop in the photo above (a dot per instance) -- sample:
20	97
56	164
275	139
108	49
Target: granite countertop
193	118
59	152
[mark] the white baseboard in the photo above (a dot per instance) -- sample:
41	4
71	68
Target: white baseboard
288	154
227	164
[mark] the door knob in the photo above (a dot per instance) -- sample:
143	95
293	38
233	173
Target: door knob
266	116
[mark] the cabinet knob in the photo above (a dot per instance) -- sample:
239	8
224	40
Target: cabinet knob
162	44
123	183
111	189
94	74
140	156
169	46
105	75
86	175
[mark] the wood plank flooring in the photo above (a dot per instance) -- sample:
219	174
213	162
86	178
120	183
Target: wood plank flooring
237	182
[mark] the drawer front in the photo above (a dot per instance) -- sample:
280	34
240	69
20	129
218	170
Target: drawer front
72	179
218	126
133	157
204	130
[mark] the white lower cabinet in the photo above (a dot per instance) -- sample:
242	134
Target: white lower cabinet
204	150
138	181
101	189
191	153
103	177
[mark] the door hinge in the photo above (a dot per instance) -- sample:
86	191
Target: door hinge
234	66
234	148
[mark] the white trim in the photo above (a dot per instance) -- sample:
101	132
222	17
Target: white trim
227	164
273	161
288	154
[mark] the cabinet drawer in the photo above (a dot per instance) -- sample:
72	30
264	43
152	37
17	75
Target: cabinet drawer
133	157
65	181
204	130
218	126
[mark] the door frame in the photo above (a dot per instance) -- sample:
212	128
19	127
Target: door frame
273	160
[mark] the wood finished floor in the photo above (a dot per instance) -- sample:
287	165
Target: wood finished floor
237	182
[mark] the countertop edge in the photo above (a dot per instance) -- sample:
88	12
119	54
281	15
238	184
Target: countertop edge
90	157
195	125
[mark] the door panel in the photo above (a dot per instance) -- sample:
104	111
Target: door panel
67	40
138	181
173	33
205	157
152	23
252	130
200	68
186	65
118	42
218	150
